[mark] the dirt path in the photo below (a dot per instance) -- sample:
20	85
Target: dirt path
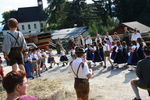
106	84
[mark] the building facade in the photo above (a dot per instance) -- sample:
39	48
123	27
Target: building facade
31	19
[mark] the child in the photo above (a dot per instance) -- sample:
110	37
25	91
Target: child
140	46
43	60
119	57
89	54
113	49
51	59
34	64
13	45
133	58
106	48
125	52
27	65
63	57
97	57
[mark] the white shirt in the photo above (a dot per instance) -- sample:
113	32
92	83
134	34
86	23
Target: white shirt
73	52
100	40
133	47
43	54
88	41
106	47
109	37
82	71
34	55
134	36
62	52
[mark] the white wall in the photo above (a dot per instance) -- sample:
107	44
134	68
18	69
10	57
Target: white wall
32	29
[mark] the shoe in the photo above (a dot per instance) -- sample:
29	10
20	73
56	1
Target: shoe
50	67
32	77
112	67
136	99
101	64
104	66
57	64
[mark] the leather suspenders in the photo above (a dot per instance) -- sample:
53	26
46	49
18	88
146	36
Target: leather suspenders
14	38
76	74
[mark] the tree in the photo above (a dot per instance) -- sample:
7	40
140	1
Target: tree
6	16
54	10
133	10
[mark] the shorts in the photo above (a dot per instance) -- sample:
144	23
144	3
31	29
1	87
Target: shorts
82	88
107	53
140	84
15	56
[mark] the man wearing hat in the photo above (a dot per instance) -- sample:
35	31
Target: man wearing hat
82	73
143	72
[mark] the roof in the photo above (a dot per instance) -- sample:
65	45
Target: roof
27	14
135	24
30	14
67	33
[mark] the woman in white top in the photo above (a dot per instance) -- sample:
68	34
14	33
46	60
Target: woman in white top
135	35
88	41
108	39
107	54
98	39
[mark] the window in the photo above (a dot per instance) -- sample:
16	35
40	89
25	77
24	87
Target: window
29	27
22	27
34	26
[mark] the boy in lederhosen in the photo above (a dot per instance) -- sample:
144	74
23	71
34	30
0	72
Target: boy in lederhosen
82	73
13	45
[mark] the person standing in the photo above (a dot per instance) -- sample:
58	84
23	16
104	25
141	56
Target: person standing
135	35
13	45
142	72
80	41
88	41
116	37
126	36
98	39
82	73
108	39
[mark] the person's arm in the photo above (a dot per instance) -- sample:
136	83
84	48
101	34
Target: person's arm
6	46
24	44
87	71
110	38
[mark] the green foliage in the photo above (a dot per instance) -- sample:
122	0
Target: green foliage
53	27
133	10
101	28
6	16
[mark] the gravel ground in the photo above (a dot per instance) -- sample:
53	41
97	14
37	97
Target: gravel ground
106	84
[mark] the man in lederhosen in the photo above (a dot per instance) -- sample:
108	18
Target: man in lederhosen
82	73
13	44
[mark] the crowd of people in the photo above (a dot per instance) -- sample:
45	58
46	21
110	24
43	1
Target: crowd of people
83	51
